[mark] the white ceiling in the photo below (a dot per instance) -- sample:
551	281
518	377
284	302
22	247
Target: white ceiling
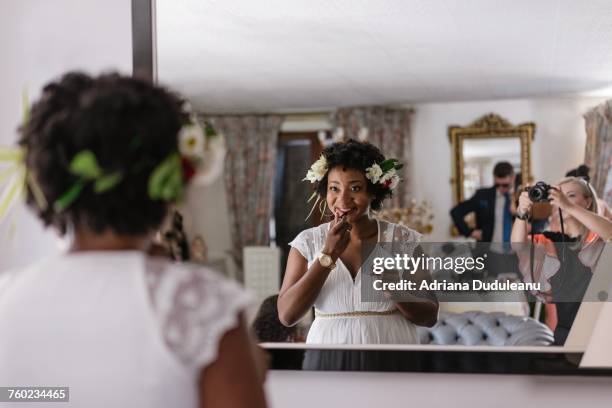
296	55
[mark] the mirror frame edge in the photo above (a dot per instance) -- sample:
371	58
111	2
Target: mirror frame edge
144	44
490	125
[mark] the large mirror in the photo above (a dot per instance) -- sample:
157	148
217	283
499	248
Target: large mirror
295	70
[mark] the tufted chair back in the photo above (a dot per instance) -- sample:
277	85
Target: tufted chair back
479	328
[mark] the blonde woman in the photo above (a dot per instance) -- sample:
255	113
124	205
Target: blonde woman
564	270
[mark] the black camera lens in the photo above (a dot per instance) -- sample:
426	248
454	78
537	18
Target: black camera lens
539	192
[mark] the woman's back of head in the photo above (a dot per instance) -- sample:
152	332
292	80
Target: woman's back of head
128	125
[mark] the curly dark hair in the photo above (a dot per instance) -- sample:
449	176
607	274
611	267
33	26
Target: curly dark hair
352	154
267	326
129	124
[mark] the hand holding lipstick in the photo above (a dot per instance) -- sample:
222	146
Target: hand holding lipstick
338	237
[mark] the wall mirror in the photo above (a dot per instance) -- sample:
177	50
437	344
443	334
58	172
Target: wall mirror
237	58
477	147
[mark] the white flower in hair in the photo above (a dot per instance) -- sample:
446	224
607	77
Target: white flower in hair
373	173
191	140
387	176
385	173
317	170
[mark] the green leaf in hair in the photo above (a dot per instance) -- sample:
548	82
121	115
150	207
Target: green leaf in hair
387	165
85	165
69	196
159	176
165	178
173	187
106	182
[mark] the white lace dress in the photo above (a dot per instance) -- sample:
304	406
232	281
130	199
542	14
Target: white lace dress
340	294
119	328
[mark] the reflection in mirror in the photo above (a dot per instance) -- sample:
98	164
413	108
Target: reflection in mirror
481	155
244	65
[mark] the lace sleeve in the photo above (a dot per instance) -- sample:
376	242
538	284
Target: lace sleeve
406	239
194	307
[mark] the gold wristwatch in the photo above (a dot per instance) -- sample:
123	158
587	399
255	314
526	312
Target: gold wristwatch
326	261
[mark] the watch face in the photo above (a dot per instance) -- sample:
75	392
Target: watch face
325	260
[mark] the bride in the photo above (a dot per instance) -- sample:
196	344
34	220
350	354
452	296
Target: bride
324	265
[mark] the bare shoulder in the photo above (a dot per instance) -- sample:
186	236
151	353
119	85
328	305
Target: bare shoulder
237	360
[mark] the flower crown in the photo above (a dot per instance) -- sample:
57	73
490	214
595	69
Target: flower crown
383	173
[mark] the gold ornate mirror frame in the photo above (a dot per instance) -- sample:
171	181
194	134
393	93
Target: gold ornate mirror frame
490	126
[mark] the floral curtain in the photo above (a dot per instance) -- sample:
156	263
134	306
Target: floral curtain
249	173
388	129
598	151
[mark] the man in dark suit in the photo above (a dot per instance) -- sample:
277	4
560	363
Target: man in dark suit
491	207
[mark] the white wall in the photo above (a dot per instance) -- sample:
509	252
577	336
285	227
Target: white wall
40	40
310	389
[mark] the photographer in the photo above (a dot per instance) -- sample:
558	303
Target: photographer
564	255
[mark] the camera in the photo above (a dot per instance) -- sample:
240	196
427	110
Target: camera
539	192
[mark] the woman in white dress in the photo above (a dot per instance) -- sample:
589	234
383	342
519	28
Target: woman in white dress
119	328
324	264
